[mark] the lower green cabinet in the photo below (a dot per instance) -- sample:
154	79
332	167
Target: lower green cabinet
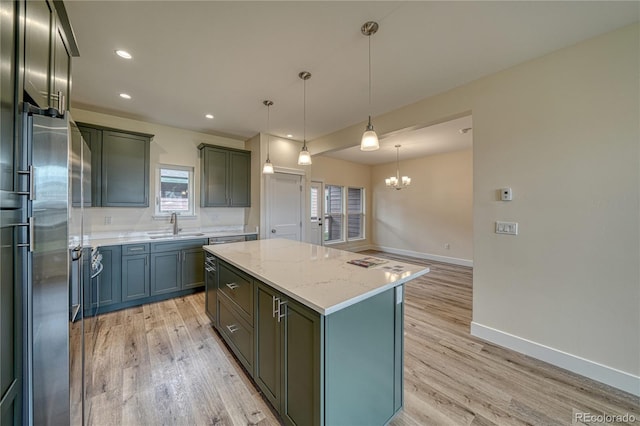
165	272
192	270
135	277
288	356
104	290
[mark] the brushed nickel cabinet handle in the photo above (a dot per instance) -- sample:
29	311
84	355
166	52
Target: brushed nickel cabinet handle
233	328
232	286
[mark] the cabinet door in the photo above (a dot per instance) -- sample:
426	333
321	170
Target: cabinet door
135	277
125	170
37	47
93	138
239	179
302	376
165	272
213	188
110	287
60	72
192	270
268	367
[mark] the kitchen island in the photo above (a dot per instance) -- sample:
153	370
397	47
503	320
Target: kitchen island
321	337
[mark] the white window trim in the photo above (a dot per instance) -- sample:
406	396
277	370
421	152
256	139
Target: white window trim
191	214
362	212
342	239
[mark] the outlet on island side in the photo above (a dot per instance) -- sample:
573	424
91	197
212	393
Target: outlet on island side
107	220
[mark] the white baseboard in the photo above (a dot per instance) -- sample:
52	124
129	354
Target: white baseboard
427	256
593	370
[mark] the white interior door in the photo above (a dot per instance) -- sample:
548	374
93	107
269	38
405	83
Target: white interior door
315	210
284	206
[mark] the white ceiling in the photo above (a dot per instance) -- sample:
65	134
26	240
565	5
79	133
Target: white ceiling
224	58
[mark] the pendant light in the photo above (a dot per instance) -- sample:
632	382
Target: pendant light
268	167
304	159
395	181
369	137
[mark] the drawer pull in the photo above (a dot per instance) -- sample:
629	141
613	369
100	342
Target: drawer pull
208	269
233	328
232	286
282	312
136	249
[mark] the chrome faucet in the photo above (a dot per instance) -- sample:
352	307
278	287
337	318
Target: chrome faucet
174	220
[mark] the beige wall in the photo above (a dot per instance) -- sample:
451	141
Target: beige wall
563	132
169	145
332	171
435	210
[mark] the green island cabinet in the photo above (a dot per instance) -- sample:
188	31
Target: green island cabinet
225	178
119	166
344	368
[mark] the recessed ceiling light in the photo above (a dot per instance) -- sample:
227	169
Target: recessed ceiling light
124	54
289	136
125	96
209	116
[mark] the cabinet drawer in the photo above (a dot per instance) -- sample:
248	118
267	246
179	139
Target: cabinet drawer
237	333
239	288
135	249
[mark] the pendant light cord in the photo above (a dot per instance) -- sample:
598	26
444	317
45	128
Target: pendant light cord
304	113
268	130
370	111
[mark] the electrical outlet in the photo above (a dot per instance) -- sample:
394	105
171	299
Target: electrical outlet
107	220
509	228
447	246
506	194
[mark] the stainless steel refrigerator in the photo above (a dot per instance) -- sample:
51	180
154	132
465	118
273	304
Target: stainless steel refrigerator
50	171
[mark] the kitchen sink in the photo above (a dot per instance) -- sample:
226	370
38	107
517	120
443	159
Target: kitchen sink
156	236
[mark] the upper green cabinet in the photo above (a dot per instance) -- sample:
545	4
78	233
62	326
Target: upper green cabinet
125	169
47	70
119	166
225	178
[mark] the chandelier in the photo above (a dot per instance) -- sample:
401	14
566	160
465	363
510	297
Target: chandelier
396	181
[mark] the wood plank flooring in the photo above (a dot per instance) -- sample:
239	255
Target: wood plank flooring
162	364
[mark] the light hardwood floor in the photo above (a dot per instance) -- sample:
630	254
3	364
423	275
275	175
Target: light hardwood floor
163	364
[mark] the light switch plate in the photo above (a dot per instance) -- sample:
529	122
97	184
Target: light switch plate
509	228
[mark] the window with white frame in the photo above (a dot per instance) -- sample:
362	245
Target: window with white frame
335	206
355	213
174	185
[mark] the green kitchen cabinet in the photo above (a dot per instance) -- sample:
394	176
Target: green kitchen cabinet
165	272
119	166
47	60
288	356
135	272
125	169
37	51
192	270
93	138
225	178
106	289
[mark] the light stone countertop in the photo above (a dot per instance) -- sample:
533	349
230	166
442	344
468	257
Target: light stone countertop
316	276
133	237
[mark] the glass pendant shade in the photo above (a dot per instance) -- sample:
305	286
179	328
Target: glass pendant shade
304	159
369	139
267	169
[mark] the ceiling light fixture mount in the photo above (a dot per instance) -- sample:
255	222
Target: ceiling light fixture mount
268	167
395	181
123	54
209	116
304	159
125	96
369	137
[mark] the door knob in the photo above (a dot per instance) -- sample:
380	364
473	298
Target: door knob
319	223
273	231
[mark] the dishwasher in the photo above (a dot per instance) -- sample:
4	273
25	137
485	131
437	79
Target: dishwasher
210	271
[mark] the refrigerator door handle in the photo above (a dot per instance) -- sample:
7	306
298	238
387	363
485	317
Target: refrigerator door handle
31	225
31	193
